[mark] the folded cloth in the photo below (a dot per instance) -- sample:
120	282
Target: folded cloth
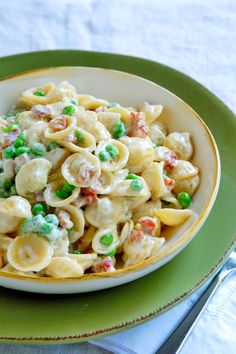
213	333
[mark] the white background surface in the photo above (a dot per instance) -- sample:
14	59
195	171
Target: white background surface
196	37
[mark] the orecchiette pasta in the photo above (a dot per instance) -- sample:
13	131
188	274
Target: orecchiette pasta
141	153
181	145
81	169
32	177
88	185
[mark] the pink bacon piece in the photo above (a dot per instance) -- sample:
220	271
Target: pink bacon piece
64	219
136	235
138	125
89	195
170	160
58	124
148	225
103	265
169	182
86	172
41	111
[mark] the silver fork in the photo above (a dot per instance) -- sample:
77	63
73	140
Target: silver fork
176	340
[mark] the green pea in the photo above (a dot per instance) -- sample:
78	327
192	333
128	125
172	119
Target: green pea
38	149
112	150
22	150
62	193
73	101
136	185
104	156
45	228
3	193
184	199
111	254
52	219
12	191
79	136
9	153
7	184
10	128
36	222
76	252
68	187
39	208
68	110
52	146
154	146
106	239
132	176
119	130
27	226
19	143
40	93
113	104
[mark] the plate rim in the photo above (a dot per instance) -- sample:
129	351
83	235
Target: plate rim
182	296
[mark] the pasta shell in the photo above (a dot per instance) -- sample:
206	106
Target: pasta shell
188	185
61	246
139	249
109	119
124	113
77	217
153	175
88	143
156	134
81	169
117	163
98	247
13	211
56	157
33	176
173	217
5	242
64	267
29	253
62	134
26	120
90	102
182	170
152	111
35	134
124	235
28	99
141	153
106	182
134	198
9	269
106	212
181	145
86	239
84	260
52	199
146	209
63	89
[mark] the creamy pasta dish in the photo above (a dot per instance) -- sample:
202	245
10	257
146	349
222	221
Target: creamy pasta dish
87	185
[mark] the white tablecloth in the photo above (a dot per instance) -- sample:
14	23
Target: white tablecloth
196	37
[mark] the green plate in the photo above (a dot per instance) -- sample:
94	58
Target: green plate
79	317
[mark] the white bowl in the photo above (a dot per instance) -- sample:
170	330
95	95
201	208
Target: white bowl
128	90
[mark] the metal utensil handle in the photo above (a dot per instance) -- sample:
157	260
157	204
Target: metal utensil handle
176	340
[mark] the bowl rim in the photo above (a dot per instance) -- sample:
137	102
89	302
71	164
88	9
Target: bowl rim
171	251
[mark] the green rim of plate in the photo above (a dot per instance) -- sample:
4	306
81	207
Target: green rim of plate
79	317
